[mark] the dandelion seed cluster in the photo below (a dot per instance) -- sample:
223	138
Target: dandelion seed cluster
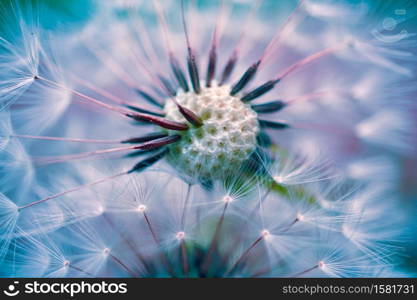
206	139
225	140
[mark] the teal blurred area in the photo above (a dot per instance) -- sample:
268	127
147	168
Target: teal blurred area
72	14
52	14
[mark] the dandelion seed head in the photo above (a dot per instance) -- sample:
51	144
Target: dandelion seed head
225	140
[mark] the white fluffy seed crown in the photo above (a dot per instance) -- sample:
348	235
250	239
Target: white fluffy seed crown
226	139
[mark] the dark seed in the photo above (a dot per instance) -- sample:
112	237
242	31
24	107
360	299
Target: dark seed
179	74
190	116
273	124
245	79
231	63
146	111
193	71
159	142
259	91
211	69
164	123
168	87
145	138
264	140
141	152
140	166
148	98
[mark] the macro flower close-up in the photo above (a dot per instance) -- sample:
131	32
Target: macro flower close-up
208	138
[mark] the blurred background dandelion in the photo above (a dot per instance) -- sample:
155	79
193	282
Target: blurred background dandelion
203	138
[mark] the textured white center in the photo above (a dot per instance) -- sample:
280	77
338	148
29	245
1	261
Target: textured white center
226	139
